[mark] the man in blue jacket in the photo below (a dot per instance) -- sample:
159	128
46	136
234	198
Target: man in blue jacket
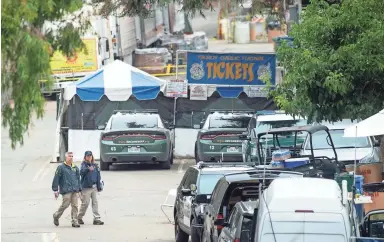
67	182
90	183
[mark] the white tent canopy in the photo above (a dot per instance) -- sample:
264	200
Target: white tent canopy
371	126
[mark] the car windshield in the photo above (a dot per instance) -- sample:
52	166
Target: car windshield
264	126
228	121
134	121
320	141
208	182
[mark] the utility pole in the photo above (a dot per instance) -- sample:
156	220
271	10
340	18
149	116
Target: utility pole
118	38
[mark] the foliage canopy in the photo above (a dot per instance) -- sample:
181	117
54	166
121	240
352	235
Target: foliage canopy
25	53
336	68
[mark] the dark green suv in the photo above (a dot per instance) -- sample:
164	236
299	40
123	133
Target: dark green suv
263	121
132	136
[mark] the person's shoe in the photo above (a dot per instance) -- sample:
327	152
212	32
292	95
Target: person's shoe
80	221
75	225
98	222
55	221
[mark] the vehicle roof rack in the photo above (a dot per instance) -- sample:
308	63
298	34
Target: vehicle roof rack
232	111
136	111
258	171
304	128
202	164
270	112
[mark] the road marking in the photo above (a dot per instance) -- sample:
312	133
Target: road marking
180	168
43	170
50	237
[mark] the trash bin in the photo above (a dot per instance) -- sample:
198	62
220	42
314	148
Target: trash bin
359	180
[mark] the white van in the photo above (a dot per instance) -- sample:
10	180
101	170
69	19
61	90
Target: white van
303	210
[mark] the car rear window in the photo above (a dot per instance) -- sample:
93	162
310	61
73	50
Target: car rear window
137	121
228	121
239	192
314	227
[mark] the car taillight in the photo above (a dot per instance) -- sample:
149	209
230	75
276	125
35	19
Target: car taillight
158	137
109	137
208	136
236	240
219	216
304	211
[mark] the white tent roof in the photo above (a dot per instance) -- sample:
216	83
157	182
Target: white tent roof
371	126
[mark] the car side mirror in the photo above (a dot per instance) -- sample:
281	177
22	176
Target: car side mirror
374	223
376	143
101	127
202	198
171	126
186	192
202	124
220	222
193	187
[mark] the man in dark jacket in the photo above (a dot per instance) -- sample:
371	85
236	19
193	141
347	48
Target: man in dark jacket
90	183
67	182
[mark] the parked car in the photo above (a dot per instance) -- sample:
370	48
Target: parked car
239	226
263	121
367	148
304	209
193	193
136	136
218	139
231	189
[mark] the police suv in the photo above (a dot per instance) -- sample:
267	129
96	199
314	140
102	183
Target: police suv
194	193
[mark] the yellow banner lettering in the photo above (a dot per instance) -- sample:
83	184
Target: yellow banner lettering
229	71
250	72
210	69
217	70
238	70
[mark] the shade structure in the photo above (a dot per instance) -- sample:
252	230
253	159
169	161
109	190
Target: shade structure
118	81
371	126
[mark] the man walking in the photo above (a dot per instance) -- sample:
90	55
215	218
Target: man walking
90	182
67	182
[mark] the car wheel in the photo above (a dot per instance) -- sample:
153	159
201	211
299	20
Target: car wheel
166	165
171	158
180	235
196	155
195	235
104	166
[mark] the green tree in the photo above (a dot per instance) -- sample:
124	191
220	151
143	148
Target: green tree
336	68
27	44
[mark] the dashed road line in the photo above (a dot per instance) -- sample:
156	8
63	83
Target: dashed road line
180	168
42	172
50	237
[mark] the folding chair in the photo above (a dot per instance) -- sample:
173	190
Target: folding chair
171	193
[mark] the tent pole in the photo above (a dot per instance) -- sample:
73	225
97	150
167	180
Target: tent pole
174	121
177	66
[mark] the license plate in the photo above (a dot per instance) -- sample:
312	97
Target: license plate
133	149
232	149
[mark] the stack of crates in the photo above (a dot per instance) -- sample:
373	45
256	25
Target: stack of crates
359	181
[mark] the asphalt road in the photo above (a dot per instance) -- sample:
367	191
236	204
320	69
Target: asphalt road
129	205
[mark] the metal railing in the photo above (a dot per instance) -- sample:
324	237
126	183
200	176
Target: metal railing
169	70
